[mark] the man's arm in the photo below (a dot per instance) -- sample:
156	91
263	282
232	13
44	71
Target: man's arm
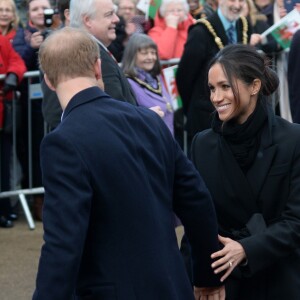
66	212
194	206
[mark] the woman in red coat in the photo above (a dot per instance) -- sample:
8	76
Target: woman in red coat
9	19
170	29
12	65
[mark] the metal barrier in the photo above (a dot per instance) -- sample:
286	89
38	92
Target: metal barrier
34	92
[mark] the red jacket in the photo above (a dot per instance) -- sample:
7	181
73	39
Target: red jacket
170	41
10	62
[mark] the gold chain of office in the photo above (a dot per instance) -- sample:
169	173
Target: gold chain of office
218	39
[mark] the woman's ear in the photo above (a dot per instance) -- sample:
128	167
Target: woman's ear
256	86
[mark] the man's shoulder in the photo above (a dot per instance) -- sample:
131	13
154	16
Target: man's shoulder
205	26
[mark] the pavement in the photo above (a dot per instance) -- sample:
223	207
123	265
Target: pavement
20	251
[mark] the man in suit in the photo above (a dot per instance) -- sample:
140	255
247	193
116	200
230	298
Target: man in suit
98	17
205	39
113	174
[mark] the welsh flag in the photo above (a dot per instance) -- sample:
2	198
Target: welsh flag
149	7
170	75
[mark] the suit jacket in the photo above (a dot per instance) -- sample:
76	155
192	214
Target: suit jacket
115	84
112	173
191	76
271	190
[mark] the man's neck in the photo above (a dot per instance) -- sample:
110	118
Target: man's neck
67	89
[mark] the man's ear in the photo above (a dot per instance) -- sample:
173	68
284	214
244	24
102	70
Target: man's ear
50	86
98	73
86	21
67	16
97	69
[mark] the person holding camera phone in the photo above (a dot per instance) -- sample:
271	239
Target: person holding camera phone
27	42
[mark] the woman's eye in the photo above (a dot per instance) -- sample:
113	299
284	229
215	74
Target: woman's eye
226	86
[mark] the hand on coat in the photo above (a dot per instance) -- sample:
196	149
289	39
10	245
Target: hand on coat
229	257
210	293
158	110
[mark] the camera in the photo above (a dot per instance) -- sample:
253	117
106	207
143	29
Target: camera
48	21
48	17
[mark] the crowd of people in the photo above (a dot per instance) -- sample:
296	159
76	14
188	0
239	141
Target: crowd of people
121	164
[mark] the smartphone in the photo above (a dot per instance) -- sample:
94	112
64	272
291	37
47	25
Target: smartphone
290	4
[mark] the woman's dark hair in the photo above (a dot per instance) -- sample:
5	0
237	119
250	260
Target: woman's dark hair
136	43
245	63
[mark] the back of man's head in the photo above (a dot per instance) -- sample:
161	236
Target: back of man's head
68	53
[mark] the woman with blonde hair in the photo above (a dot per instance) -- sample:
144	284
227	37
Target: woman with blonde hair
259	23
9	19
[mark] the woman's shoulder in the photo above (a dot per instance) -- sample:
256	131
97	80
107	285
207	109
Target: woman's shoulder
287	130
205	137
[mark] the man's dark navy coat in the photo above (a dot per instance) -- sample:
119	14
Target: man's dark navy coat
112	175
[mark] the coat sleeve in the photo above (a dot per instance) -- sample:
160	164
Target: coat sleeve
16	64
28	53
67	204
194	206
191	63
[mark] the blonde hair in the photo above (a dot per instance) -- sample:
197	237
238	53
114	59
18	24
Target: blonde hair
68	53
254	14
16	22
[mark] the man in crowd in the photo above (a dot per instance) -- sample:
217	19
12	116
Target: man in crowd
205	39
113	175
99	18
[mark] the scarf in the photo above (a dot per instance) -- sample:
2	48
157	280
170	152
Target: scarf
243	139
147	77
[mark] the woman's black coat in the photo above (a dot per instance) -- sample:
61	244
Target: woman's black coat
260	209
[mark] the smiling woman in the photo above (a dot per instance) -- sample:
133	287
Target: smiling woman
9	19
249	161
142	67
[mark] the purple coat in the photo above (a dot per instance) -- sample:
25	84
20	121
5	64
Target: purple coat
147	98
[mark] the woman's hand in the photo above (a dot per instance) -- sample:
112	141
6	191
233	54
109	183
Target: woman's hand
36	40
255	39
172	20
229	257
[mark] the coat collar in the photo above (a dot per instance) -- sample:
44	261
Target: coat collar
83	97
260	169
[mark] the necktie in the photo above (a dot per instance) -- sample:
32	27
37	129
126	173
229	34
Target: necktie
112	56
230	34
